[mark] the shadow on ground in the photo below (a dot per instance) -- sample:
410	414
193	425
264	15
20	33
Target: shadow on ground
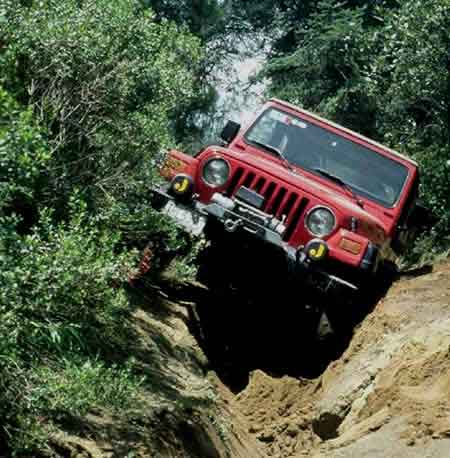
275	333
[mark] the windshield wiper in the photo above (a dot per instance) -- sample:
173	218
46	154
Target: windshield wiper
278	152
340	182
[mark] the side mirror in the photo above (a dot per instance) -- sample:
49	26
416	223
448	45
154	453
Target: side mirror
230	131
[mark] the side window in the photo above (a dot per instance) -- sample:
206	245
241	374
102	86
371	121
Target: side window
405	234
409	204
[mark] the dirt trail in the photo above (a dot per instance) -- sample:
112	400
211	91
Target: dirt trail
180	412
387	396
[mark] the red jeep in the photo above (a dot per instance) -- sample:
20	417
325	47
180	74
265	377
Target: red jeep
333	204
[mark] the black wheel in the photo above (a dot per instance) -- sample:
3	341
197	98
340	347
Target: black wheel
387	273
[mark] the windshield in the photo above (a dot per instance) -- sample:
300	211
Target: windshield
318	150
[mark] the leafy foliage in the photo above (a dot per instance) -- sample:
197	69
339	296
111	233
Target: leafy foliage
204	18
57	286
24	157
103	79
57	304
90	93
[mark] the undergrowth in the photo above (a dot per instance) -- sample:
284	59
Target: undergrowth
63	325
87	94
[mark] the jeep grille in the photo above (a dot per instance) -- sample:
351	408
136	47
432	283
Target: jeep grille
278	200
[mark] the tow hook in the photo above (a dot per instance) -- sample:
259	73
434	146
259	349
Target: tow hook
231	225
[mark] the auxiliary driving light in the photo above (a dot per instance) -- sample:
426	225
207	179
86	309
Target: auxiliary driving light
316	249
181	185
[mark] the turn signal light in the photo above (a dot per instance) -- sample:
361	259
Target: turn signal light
350	246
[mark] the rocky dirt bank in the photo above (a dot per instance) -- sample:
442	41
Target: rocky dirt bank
387	395
180	413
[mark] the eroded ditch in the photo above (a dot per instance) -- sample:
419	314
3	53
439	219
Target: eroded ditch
275	334
376	391
379	391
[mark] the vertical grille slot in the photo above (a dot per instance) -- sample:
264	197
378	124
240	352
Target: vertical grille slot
289	204
259	184
272	209
293	220
234	182
268	192
248	180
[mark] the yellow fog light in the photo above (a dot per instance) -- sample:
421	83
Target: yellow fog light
181	185
316	249
350	246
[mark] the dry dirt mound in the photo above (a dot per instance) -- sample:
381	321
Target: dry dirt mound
387	396
279	413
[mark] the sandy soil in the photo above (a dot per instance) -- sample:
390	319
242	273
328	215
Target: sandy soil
387	396
181	414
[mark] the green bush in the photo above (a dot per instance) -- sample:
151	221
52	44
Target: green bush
67	391
90	95
104	79
80	386
61	306
24	156
57	287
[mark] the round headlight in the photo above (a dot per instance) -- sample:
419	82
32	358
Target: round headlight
320	222
216	172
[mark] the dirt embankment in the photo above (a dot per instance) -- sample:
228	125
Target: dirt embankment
180	412
387	396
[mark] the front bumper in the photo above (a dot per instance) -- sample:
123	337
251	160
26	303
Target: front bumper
236	216
243	217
